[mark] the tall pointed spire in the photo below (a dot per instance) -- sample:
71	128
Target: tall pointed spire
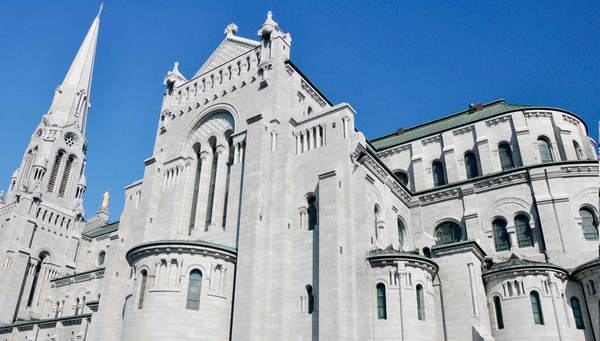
71	99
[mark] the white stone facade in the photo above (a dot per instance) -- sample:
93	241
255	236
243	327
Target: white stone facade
263	214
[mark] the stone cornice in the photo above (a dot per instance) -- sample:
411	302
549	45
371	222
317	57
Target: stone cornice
532	269
459	247
413	260
78	277
365	157
47	323
181	246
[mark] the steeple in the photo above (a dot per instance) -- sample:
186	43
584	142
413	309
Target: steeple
71	98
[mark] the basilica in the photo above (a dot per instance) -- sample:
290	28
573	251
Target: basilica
263	213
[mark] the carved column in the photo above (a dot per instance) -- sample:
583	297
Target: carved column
202	197
220	182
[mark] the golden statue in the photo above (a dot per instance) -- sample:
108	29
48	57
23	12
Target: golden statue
105	200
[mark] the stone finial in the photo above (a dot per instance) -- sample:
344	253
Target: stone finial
231	30
269	26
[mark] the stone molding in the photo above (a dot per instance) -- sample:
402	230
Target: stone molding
79	277
198	247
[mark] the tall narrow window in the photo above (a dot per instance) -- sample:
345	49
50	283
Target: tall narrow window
471	165
505	154
101	257
55	168
501	238
311	299
420	303
447	233
589	224
229	163
65	178
196	188
35	280
524	235
545	150
578	151
142	289
57	309
592	287
439	175
536	308
401	231
313	212
213	179
498	311
194	287
577	315
77	306
381	302
402	177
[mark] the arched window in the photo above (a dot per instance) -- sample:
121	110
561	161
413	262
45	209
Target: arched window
213	178
589	224
401	231
524	235
101	257
194	287
439	175
36	275
227	179
196	149
536	308
420	303
55	168
381	302
545	150
311	298
592	288
313	212
471	165
142	288
65	178
77	306
402	177
377	217
577	315
448	232
498	311
501	238
578	151
506	158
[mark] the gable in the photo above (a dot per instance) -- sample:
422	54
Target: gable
229	48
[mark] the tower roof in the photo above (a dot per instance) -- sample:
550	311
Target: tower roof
71	99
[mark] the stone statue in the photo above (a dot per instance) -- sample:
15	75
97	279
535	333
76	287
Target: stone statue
105	201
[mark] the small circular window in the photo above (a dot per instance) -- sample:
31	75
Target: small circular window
70	139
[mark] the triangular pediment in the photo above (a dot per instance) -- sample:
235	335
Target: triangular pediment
229	48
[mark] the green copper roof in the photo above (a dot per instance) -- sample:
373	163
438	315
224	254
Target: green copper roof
102	230
446	123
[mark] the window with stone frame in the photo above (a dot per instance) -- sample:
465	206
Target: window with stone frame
545	149
589	223
506	157
536	308
524	232
447	233
381	302
577	314
501	237
194	289
471	165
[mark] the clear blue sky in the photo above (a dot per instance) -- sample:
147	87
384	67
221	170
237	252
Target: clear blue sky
397	63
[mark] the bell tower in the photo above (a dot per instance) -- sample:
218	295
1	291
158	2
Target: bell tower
42	212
